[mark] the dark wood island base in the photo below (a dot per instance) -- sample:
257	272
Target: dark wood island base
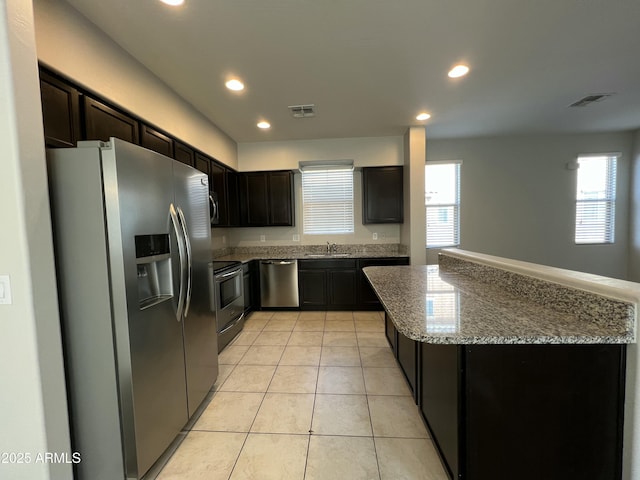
517	377
525	412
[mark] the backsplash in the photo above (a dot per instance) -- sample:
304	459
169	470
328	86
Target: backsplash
561	298
295	250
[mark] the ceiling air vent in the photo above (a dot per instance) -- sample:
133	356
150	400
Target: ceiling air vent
589	99
303	111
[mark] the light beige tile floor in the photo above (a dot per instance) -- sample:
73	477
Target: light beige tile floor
308	395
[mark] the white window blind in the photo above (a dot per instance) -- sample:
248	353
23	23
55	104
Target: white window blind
596	199
327	200
442	199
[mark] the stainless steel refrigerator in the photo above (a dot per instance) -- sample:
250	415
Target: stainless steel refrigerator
132	241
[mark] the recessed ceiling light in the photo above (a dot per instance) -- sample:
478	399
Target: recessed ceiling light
173	3
423	116
458	71
264	125
235	85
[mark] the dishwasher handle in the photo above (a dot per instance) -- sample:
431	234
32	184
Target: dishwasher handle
277	262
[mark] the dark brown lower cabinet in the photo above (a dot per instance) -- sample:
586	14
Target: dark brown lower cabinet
391	333
342	287
526	412
327	284
312	285
407	354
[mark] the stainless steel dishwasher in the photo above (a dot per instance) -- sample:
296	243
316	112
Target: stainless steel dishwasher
279	283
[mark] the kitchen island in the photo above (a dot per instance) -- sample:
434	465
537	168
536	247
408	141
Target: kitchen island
518	369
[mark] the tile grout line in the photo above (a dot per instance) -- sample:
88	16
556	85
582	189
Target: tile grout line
373	438
244	443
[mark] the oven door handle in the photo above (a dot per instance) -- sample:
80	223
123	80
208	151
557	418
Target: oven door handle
229	274
229	327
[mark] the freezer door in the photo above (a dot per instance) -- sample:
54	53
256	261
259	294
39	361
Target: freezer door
199	325
148	336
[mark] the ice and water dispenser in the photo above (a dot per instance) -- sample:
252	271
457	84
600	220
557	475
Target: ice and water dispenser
153	259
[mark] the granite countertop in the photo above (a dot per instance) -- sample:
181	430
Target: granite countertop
434	305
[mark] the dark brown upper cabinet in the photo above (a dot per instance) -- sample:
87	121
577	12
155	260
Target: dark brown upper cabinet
382	195
218	179
103	122
60	112
267	199
183	153
280	198
154	140
202	162
233	197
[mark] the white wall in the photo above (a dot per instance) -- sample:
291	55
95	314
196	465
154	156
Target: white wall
518	198
632	411
372	151
33	409
634	207
68	43
413	230
364	151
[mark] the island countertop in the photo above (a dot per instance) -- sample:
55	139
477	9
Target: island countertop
464	302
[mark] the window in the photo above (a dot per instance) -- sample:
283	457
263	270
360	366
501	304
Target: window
442	198
596	199
327	200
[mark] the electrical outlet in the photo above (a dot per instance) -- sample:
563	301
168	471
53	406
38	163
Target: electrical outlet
375	236
296	237
5	290
224	239
262	238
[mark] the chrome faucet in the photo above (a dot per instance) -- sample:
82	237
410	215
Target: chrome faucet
328	248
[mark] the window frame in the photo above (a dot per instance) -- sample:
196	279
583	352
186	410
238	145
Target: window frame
609	199
456	205
318	226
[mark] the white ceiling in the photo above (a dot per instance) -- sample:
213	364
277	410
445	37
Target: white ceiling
371	65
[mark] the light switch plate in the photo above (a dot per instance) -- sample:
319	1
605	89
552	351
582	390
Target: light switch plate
5	290
262	238
296	237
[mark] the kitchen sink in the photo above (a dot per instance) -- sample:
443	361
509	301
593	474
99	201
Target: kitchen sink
326	255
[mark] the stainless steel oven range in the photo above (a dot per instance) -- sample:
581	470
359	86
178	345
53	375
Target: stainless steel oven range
227	299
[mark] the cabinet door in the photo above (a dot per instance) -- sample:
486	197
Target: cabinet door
255	199
202	163
439	399
407	351
342	288
60	112
382	200
312	286
156	141
280	198
233	198
102	122
391	333
183	153
218	177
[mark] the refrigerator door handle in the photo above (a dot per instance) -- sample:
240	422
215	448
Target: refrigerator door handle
187	243
181	254
214	210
